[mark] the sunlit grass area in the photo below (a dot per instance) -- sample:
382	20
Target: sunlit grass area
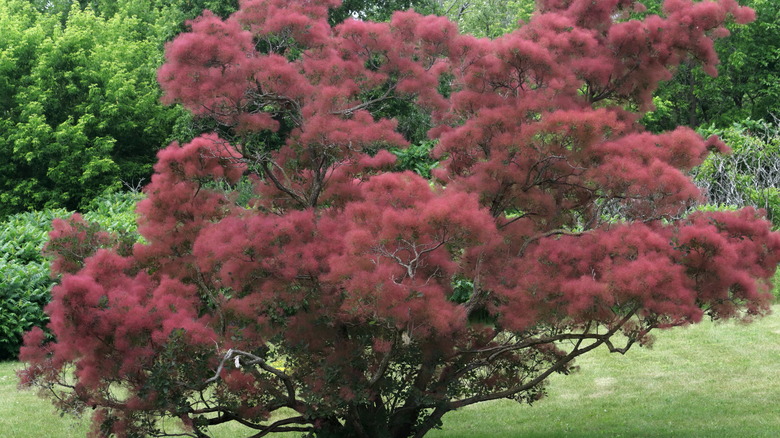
708	380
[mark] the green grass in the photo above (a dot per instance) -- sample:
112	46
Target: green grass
24	415
708	380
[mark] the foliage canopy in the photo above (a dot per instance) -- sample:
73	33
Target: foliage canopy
372	302
79	102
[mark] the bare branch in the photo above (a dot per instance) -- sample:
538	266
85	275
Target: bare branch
363	105
295	196
415	250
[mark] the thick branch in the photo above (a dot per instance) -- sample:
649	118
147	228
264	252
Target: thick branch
278	426
298	198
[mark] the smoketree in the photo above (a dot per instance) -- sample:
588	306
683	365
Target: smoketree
345	299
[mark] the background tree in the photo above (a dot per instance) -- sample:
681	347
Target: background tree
369	303
378	10
82	113
746	86
487	18
79	102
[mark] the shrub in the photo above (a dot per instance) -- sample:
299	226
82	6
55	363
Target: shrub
25	283
24	276
115	212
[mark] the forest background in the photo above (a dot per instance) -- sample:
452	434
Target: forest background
81	117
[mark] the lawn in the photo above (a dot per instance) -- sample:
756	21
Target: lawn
709	380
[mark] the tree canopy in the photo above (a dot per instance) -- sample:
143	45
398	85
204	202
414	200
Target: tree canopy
366	302
79	102
79	107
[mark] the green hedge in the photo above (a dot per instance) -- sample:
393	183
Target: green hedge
24	276
25	283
